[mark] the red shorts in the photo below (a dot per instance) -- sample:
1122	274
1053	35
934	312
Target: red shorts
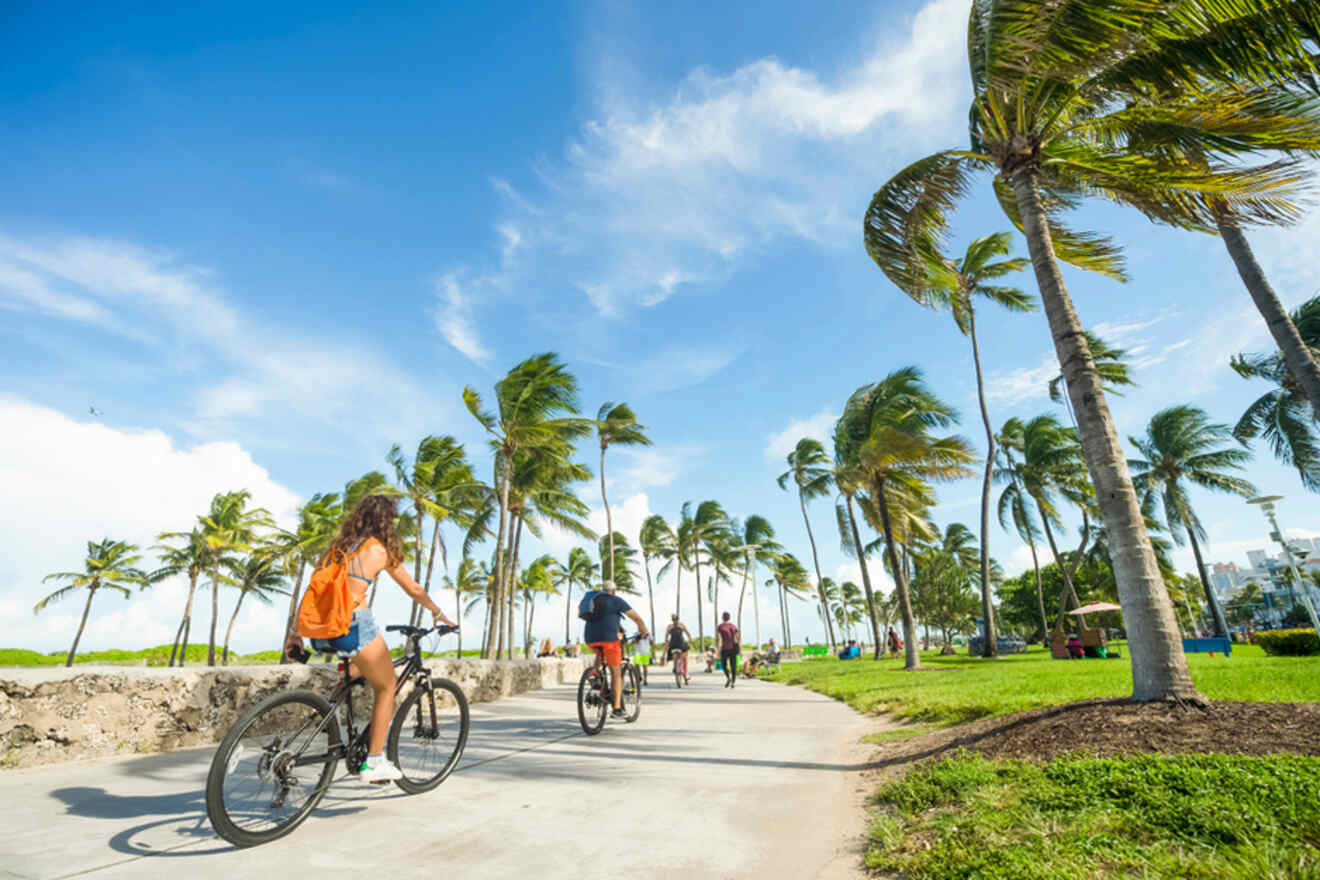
611	651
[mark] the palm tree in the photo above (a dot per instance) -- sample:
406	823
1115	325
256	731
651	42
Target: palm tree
1062	109
700	529
1283	415
318	522
852	607
809	470
615	424
955	286
580	569
1111	365
536	580
256	576
620	562
190	559
109	565
536	406
756	544
850	485
790	579
656	540
472	578
1015	504
897	458
540	491
227	527
1052	466
1182	446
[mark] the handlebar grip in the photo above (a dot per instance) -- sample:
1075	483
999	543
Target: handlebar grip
446	630
397	627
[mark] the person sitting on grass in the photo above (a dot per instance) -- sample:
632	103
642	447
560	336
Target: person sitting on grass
547	648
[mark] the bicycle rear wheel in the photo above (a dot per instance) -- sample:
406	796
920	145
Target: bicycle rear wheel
592	704
632	692
428	734
678	672
272	767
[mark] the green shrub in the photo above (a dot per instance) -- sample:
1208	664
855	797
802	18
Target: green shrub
1289	642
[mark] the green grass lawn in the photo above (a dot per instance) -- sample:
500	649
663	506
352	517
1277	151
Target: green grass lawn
1184	816
962	688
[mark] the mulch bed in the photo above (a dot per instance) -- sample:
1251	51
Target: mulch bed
1119	727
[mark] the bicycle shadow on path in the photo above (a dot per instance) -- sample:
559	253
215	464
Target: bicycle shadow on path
184	823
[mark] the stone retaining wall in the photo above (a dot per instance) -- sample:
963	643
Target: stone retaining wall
66	714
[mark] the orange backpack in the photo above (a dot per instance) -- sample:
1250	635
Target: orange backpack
326	610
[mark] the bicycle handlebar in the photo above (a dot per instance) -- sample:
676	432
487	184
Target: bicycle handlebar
411	631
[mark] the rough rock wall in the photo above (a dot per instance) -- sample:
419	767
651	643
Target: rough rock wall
51	715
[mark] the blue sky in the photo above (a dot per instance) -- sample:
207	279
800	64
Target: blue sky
267	243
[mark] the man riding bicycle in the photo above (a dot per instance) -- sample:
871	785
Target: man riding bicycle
604	612
678	640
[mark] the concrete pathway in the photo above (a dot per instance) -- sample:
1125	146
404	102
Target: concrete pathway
759	781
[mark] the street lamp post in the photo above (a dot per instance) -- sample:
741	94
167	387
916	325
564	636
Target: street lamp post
1266	503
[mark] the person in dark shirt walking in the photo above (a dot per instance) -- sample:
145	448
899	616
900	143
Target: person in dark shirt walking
728	634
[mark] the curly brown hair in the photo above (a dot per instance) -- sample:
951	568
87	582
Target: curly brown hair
372	517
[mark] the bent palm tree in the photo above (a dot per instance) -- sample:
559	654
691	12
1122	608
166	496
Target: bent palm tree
190	559
898	457
1283	415
809	470
228	526
615	425
258	577
955	285
1181	445
536	405
657	541
1060	111
1015	505
109	565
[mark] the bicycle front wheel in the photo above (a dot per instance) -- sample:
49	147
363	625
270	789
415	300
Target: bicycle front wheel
428	735
632	692
592	703
272	767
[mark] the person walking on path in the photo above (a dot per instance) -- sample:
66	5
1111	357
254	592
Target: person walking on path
728	635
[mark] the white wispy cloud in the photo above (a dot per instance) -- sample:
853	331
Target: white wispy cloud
453	317
253	370
1022	383
655	197
818	427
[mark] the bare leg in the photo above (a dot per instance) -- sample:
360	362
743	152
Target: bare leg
616	685
375	664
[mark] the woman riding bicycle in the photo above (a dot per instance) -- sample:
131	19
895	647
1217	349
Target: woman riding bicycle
370	544
677	640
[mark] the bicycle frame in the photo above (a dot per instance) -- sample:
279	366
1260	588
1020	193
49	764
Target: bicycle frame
411	661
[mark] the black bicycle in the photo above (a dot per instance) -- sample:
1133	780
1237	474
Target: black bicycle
278	759
595	699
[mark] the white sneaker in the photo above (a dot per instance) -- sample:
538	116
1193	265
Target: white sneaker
379	773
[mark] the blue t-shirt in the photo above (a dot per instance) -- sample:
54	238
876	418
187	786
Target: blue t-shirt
607	628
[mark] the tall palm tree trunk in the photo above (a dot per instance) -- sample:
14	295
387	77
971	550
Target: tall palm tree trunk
1159	666
1040	593
911	657
458	613
678	589
187	614
1301	363
183	646
568	610
229	630
215	615
650	594
174	649
756	607
609	520
820	584
82	624
497	610
1221	625
416	618
515	541
1069	590
990	647
414	611
701	624
783	615
866	576
292	621
742	593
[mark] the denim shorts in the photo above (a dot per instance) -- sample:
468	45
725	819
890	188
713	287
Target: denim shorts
360	633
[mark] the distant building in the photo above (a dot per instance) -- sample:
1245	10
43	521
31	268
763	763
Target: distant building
1268	572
